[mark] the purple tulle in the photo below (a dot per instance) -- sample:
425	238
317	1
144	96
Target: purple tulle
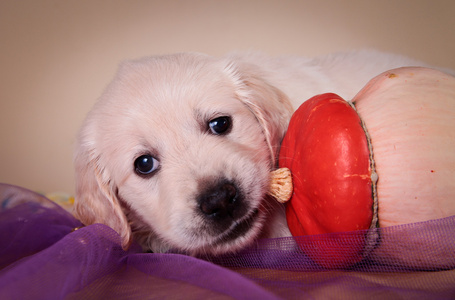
42	256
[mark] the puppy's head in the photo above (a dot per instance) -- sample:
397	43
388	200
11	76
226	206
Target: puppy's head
177	153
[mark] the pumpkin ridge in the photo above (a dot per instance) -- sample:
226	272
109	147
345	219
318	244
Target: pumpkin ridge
373	174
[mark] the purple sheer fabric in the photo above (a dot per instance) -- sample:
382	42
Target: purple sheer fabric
42	257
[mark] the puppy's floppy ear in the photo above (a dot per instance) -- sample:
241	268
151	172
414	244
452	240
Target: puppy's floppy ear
270	105
96	198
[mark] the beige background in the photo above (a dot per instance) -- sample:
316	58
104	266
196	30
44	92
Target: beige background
57	56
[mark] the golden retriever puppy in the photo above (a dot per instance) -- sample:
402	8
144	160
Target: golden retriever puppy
177	152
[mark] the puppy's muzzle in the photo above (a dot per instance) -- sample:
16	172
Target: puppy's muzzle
221	204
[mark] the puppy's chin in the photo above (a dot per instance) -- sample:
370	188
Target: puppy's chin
199	243
241	234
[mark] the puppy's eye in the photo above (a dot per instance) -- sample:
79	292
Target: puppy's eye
220	125
146	164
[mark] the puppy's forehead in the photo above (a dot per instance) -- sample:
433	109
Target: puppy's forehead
174	78
169	86
162	94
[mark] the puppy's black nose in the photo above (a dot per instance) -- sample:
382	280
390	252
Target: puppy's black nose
219	201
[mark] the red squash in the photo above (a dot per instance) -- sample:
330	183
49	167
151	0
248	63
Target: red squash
407	120
331	170
330	161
